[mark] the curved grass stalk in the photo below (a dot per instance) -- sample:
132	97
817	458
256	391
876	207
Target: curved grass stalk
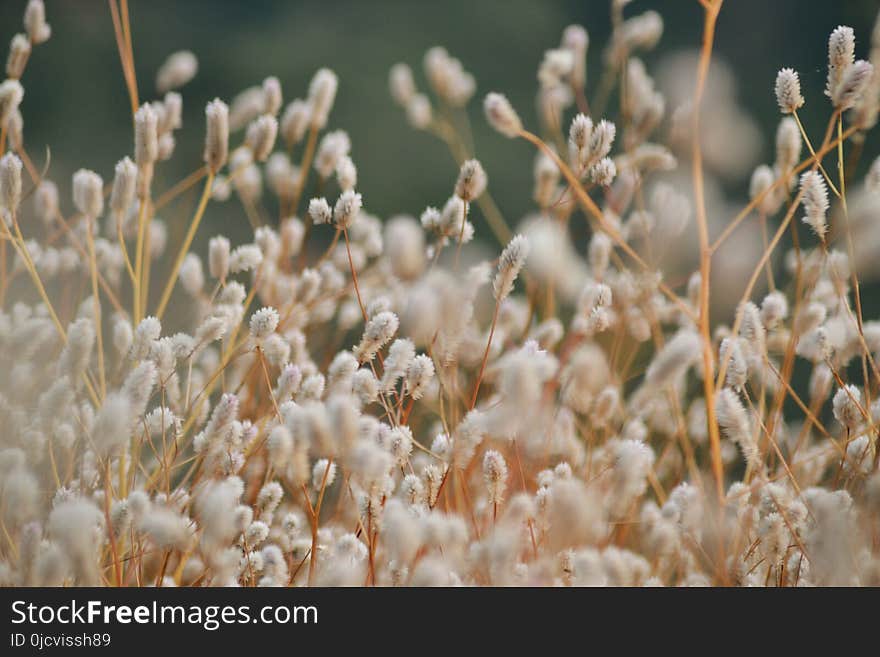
184	248
710	18
96	302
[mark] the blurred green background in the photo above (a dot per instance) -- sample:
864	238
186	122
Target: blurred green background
76	102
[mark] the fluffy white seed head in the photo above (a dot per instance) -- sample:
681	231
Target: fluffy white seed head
124	186
172	112
447	77
365	386
774	309
88	193
501	115
400	444
46	202
11	95
77	525
346	173
603	172
113	423
35	22
471	181
123	336
19	51
845	406
632	465
261	136
401	84
176	71
579	133
841	54
322	94
148	331
295	121
730	351
600	142
400	355
216	134
263	323
15	131
752	329
139	383
218	257
734	422
853	84
272	97
413	490
341	371
576	40
509	265
333	147
640	32
192	275
760	190
347	208
167	144
419	112
10	182
146	135
546	175
320	211
378	332
245	258
323	474
788	144
788	91
815	201
419	375
599	254
77	352
495	475
673	360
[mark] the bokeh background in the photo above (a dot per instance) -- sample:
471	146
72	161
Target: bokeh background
76	104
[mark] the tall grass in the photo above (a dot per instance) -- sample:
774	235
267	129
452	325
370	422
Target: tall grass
347	400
